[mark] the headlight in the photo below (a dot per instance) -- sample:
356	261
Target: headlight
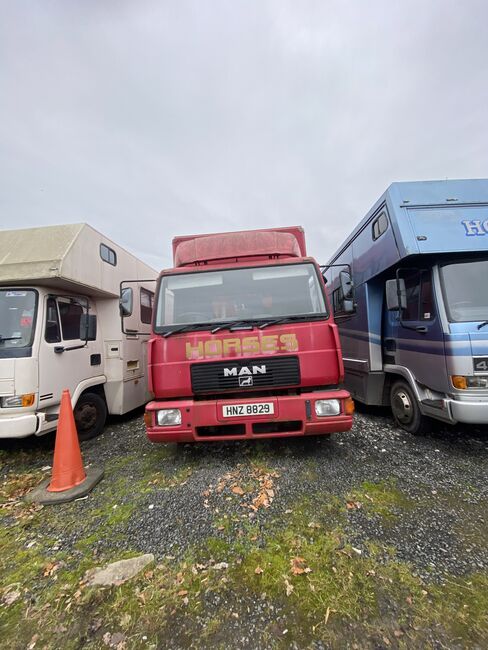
168	417
462	383
18	401
324	407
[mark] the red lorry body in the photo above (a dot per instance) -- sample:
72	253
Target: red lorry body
205	376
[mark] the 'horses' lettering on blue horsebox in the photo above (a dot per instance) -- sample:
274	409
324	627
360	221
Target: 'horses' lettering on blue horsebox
475	227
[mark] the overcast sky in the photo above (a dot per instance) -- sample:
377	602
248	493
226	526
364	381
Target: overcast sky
149	119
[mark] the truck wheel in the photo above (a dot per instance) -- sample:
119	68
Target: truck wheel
90	414
406	410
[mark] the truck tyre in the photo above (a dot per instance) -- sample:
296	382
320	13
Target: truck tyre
406	410
90	414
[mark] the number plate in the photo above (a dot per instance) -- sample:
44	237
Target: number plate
247	410
480	364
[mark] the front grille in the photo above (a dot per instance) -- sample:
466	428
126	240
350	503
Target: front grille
244	374
277	427
222	430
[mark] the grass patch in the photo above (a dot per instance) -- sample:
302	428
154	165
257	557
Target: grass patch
382	498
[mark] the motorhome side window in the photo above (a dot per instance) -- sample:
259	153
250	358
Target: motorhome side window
420	303
53	332
147	299
108	255
380	225
70	313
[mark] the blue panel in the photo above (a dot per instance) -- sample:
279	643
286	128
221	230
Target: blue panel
464	228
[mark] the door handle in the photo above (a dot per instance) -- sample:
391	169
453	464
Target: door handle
421	328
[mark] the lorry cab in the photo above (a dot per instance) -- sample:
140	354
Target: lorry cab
60	327
38	331
418	339
244	343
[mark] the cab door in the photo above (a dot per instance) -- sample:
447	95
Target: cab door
64	359
413	336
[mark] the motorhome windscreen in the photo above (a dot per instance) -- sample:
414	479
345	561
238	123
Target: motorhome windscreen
465	289
17	318
253	293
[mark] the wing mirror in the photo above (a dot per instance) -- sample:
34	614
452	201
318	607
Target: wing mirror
126	302
88	327
347	285
396	294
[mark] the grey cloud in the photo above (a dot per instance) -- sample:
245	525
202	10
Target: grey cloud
150	119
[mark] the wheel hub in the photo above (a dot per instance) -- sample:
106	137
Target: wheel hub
86	416
402	407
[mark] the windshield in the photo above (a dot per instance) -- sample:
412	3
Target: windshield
257	293
17	318
465	288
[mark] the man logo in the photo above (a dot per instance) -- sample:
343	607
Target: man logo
245	381
247	371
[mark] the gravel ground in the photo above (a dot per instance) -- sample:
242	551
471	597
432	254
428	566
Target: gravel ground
184	497
444	474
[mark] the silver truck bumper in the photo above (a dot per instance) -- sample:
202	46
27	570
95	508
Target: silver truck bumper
469	412
18	426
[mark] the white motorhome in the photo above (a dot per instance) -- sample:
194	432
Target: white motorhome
60	327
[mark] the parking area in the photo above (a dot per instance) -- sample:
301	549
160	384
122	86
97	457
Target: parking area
372	538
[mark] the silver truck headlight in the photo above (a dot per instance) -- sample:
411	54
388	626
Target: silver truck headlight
327	407
17	401
168	417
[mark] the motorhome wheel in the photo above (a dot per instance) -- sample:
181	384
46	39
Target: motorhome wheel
90	414
406	409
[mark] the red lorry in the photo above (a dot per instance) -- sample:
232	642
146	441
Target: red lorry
244	343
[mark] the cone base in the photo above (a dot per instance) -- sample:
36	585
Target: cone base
40	494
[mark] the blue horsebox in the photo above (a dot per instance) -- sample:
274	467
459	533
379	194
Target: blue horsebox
409	288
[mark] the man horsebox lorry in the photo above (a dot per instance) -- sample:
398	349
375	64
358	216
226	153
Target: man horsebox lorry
418	339
60	327
244	343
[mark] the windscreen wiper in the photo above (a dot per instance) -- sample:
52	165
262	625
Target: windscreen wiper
286	319
9	338
482	324
233	325
179	330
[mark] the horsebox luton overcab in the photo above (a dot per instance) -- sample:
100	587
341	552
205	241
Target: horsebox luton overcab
60	327
418	338
244	343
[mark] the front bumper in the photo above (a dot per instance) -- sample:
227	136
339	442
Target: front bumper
18	426
294	415
469	412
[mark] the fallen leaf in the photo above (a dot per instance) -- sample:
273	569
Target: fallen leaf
220	565
327	614
386	640
289	587
409	600
10	597
33	642
236	489
398	633
353	505
297	565
182	592
258	570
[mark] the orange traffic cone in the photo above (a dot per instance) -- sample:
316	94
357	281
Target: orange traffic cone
68	468
69	479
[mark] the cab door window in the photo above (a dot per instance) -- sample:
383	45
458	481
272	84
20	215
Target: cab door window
70	312
420	301
52	332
